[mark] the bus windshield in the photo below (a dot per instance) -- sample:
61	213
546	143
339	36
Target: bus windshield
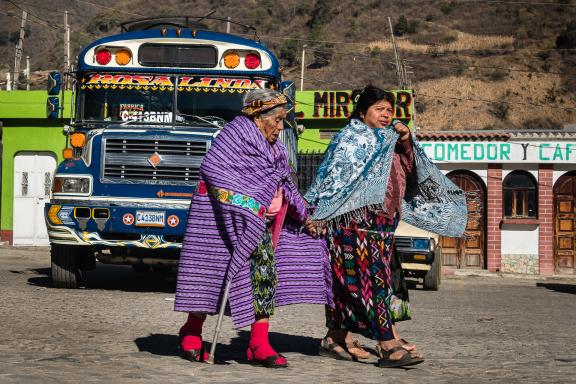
164	100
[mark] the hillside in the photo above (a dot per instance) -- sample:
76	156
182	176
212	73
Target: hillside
473	64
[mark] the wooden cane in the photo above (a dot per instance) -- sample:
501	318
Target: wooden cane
219	323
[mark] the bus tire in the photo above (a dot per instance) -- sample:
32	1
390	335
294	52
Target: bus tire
65	266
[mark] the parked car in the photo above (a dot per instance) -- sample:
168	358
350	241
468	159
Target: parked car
419	253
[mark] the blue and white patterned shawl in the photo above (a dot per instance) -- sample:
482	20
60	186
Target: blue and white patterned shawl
354	175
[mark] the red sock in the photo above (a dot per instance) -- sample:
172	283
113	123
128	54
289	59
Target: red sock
259	343
191	333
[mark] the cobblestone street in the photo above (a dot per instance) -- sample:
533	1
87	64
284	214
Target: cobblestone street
121	328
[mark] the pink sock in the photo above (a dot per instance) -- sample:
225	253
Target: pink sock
259	343
191	333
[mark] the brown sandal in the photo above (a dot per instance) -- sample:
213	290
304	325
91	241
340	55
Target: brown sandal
354	344
414	352
386	362
328	349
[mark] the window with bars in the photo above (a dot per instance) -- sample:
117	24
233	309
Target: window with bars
47	183
24	184
520	198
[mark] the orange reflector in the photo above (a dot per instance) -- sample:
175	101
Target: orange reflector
53	214
123	57
419	257
77	140
231	60
67	153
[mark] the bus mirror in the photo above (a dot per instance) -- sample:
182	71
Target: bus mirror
54	83
288	88
52	108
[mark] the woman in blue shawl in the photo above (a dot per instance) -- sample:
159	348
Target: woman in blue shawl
373	173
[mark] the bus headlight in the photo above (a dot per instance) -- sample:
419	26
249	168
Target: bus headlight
75	184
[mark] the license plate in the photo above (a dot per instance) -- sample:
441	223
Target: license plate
150	218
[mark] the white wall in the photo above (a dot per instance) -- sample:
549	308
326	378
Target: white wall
520	240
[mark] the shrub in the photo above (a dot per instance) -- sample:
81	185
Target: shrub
289	52
567	38
447	8
403	27
500	110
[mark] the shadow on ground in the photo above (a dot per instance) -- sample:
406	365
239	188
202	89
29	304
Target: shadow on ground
167	345
114	278
557	287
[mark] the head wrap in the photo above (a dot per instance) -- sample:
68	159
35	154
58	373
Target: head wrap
258	107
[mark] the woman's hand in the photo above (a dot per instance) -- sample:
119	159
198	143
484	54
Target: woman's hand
403	131
315	228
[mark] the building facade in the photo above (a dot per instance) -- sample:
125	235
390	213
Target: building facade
31	147
520	186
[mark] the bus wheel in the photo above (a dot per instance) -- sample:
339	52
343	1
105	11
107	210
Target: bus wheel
65	271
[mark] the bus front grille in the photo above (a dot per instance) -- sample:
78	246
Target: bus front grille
152	160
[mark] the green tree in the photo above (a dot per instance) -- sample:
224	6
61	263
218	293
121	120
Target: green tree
289	52
401	26
567	38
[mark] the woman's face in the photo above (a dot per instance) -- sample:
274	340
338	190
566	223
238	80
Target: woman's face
271	125
378	115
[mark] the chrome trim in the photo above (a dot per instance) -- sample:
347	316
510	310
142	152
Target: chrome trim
125	202
124	159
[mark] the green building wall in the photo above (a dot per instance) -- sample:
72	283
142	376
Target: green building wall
25	129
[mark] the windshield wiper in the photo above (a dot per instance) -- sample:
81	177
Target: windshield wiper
215	121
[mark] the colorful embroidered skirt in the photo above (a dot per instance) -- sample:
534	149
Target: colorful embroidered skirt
263	276
360	259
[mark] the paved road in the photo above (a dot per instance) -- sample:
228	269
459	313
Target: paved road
121	329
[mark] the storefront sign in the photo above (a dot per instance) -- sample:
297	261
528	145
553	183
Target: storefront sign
562	152
338	105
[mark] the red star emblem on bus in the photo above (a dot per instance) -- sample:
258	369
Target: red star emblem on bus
128	219
173	221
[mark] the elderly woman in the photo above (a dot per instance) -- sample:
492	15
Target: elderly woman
244	226
360	192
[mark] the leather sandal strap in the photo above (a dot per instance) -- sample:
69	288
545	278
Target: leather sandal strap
387	352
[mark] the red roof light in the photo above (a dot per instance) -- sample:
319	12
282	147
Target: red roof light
103	57
252	61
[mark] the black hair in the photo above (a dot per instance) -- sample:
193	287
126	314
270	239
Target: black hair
365	98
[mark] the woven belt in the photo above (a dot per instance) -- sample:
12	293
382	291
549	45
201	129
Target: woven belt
227	196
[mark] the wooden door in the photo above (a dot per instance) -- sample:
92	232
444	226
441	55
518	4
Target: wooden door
469	251
565	225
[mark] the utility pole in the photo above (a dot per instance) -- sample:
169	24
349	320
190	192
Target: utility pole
228	24
18	55
398	65
27	73
302	67
66	46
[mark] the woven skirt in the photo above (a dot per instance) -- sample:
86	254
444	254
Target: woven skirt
361	252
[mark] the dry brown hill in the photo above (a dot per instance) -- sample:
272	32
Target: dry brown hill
475	64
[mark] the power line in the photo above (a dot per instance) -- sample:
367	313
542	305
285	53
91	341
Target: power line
109	8
418	94
46	22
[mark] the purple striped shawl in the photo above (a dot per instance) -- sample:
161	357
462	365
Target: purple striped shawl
220	237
